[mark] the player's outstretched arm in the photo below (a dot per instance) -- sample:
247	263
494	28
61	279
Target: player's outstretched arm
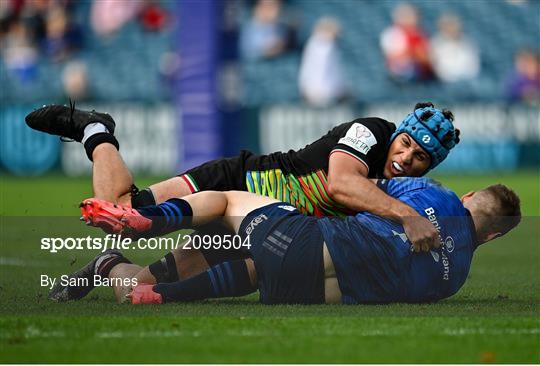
349	185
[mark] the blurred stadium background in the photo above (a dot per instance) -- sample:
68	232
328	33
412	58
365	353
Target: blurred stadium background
189	81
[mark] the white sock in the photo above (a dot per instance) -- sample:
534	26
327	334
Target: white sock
93	128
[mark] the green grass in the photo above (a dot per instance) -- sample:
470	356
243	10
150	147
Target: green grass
495	317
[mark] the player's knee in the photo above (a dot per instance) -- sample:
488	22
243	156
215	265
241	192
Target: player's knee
175	187
189	262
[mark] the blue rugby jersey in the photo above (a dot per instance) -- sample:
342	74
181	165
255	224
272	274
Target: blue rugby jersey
373	258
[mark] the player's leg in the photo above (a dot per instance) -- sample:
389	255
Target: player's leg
217	175
232	206
95	131
303	274
185	262
287	253
197	209
208	205
107	268
229	279
178	264
174	214
111	179
123	278
170	188
97	269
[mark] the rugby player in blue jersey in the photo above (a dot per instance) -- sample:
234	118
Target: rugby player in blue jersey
328	177
301	259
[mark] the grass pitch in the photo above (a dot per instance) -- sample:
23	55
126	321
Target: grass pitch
495	317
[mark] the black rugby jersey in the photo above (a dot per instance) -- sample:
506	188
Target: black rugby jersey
300	177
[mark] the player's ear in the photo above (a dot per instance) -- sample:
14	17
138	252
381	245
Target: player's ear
492	236
466	196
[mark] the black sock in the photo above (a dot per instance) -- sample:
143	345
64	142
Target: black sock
169	216
103	268
97	139
165	269
227	279
141	198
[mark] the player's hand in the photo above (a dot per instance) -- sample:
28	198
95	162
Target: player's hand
421	233
144	294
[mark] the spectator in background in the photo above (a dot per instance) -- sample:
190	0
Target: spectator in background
321	78
75	81
18	51
153	17
108	16
454	57
62	37
523	85
265	35
406	47
34	14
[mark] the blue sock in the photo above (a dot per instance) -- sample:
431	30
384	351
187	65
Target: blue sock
228	279
169	216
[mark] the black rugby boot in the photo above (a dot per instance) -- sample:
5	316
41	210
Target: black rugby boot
66	122
78	284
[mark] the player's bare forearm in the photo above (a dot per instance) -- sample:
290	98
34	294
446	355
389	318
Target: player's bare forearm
348	184
362	194
366	196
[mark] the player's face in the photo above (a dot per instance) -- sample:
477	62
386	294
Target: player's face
405	158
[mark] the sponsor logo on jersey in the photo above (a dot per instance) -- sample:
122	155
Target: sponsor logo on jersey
362	131
256	221
449	244
359	137
430	212
287	207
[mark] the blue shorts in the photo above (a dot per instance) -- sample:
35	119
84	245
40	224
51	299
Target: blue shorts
287	248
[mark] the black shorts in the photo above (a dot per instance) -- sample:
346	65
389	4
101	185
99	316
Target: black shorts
228	174
287	248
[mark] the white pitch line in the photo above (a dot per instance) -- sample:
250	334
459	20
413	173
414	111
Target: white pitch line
480	331
458	332
32	332
18	262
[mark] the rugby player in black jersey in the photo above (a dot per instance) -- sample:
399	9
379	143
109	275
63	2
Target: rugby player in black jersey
327	177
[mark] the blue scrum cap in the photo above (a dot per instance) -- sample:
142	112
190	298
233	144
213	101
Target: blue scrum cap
432	131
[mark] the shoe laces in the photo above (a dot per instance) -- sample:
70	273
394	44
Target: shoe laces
71	111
